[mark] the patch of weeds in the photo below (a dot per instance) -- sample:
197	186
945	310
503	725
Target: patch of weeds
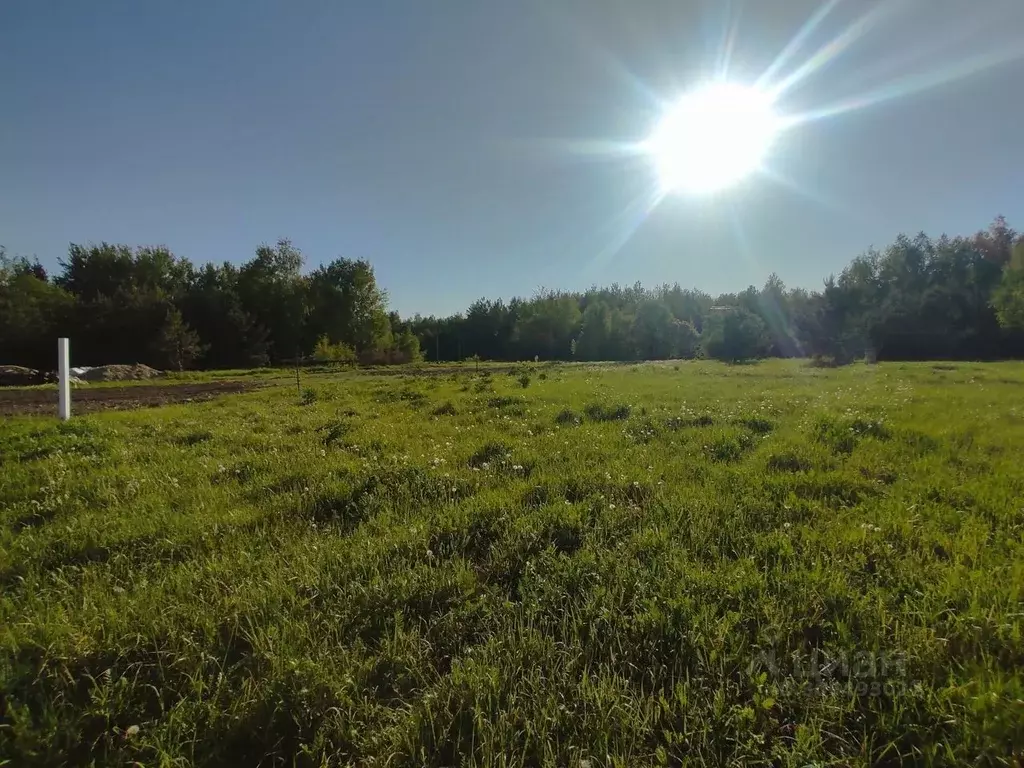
309	396
642	431
950	497
504	401
756	424
413	397
445	409
577	490
566	417
242	473
524	380
333	431
472	538
834	489
396	489
843	434
635	493
488	453
67	437
509	406
564	536
600	412
920	442
292	483
537	496
883	475
789	461
194	438
725	448
33	519
676	423
542	375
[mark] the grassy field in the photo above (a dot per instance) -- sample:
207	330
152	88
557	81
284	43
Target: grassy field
638	565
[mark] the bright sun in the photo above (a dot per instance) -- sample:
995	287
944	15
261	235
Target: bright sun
712	138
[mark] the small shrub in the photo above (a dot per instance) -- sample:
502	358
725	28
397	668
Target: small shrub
524	380
643	431
842	435
309	396
726	448
489	452
445	409
333	431
756	424
599	412
680	422
504	402
567	417
194	438
326	352
787	461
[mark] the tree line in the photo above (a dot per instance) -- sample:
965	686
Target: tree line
123	304
918	298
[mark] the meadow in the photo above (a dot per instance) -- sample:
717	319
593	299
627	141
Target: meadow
631	565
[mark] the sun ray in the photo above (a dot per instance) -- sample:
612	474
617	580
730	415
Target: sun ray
831	50
624	225
816	197
911	84
727	44
798	40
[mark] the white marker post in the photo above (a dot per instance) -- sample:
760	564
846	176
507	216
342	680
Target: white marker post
63	380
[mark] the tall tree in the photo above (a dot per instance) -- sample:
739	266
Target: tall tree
177	345
1008	299
734	334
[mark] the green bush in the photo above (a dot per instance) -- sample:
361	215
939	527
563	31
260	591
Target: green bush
338	352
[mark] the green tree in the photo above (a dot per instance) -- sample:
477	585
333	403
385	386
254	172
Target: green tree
408	347
652	331
684	339
177	345
348	306
547	324
274	293
1008	298
734	334
213	307
33	313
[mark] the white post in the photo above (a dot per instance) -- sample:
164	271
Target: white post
63	380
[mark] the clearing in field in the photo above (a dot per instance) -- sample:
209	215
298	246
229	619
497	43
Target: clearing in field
644	565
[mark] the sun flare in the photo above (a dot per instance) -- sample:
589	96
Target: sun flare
712	138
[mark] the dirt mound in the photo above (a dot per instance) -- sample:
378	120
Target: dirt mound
18	376
137	372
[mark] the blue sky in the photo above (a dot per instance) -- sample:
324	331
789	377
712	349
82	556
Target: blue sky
467	148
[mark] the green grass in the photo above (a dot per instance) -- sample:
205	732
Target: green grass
634	565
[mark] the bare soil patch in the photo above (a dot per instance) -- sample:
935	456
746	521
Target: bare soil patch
88	400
